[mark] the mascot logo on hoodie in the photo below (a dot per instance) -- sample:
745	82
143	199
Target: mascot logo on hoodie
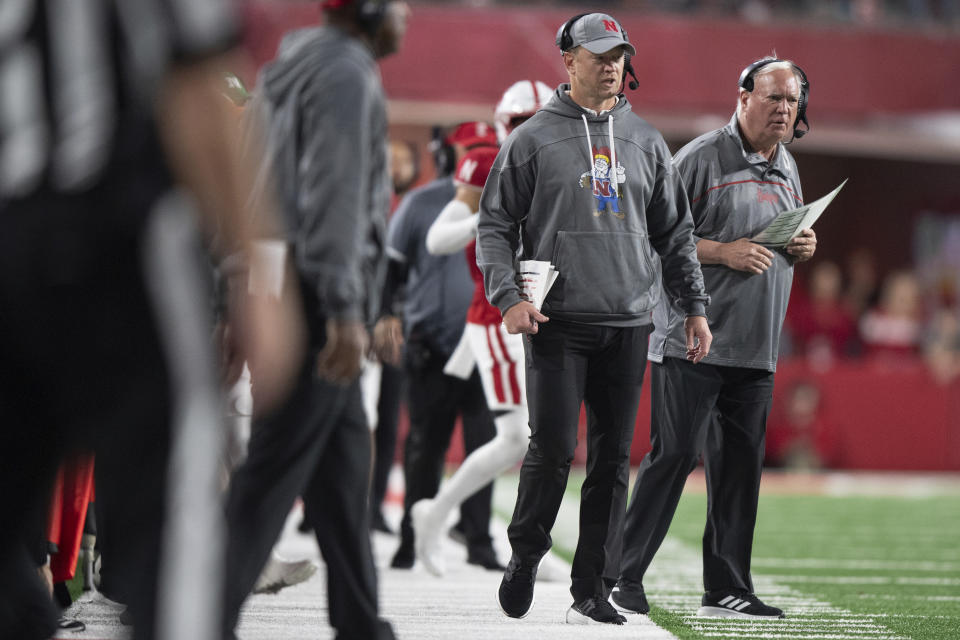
604	182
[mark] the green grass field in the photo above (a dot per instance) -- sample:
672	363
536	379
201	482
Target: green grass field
842	567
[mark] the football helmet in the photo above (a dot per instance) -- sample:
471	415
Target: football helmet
519	102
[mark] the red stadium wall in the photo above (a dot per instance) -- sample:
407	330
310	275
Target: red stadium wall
880	416
457	54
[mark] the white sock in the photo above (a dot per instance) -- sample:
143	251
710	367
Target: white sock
486	463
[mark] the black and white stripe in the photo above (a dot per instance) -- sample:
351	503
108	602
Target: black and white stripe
734	603
191	567
68	66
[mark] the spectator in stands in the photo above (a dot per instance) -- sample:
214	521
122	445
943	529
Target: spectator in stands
820	325
404	167
941	346
892	330
798	437
862	282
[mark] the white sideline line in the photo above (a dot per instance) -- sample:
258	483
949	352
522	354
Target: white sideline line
872	565
879	580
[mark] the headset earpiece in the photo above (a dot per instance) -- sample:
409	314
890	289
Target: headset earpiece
370	14
444	156
565	40
746	83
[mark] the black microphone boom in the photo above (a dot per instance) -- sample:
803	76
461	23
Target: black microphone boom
628	69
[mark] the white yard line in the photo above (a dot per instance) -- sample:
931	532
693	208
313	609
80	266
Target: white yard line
867	565
674	582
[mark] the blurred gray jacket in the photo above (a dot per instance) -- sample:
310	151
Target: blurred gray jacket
322	106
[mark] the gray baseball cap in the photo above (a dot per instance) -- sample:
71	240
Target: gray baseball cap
595	32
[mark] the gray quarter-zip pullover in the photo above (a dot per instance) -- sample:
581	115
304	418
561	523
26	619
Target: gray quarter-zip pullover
597	196
734	193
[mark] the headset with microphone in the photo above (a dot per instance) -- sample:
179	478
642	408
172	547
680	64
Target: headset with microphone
565	42
746	83
369	13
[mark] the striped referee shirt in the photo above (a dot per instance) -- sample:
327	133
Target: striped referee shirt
75	74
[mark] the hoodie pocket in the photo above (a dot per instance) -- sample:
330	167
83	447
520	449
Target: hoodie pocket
603	273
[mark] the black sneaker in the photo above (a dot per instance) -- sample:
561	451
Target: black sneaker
628	597
515	595
404	556
594	610
485	557
735	604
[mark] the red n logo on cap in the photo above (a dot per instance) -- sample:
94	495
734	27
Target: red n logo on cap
610	25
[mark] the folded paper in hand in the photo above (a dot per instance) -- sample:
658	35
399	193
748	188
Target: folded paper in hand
536	277
788	224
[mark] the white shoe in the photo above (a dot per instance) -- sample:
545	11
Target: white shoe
279	573
426	537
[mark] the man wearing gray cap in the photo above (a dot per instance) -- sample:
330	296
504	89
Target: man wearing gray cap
590	188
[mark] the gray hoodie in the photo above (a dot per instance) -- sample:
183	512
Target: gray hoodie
322	104
597	196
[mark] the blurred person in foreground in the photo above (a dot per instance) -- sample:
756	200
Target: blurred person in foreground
587	185
108	147
322	108
436	296
738	178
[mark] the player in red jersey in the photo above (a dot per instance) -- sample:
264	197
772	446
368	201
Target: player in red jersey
486	344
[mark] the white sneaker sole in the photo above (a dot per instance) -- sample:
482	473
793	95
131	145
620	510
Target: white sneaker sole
426	537
623	610
721	612
282	574
533	601
575	617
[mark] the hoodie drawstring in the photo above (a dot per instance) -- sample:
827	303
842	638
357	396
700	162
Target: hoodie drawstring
593	171
613	157
613	154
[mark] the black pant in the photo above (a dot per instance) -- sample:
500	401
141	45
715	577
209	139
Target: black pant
316	445
601	367
392	386
434	400
95	304
722	413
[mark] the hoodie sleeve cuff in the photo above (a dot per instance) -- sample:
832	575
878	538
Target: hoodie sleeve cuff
509	299
695	309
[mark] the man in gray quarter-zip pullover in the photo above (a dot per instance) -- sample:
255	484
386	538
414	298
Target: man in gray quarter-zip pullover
323	109
738	178
589	186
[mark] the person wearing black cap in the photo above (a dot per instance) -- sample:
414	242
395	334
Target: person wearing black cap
588	186
738	179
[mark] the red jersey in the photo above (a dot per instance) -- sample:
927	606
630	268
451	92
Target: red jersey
480	311
472	171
